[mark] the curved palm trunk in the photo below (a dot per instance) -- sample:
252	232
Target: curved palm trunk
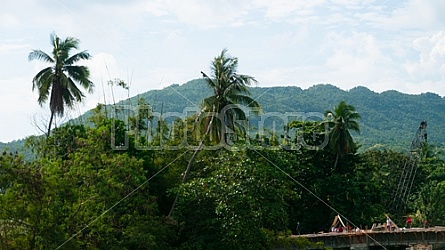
184	177
50	123
201	144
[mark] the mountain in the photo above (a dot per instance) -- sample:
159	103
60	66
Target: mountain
16	146
389	119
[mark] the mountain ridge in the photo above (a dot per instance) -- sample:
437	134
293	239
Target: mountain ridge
389	119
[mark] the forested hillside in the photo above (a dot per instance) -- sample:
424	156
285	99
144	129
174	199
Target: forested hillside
389	119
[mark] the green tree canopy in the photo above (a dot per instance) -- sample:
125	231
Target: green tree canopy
342	120
230	89
58	81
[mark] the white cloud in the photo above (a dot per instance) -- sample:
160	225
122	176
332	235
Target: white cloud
352	4
7	48
410	15
198	13
277	9
156	7
290	39
18	107
358	59
431	61
351	60
420	14
103	66
8	20
438	49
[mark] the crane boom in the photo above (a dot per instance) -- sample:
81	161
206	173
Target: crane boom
408	174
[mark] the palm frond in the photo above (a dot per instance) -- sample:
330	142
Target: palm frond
208	103
70	43
69	97
43	82
80	74
40	55
41	78
248	102
84	55
73	90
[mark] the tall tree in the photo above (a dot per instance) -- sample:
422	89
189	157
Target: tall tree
58	81
342	120
230	90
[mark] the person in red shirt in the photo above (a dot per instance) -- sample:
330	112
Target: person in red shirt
409	221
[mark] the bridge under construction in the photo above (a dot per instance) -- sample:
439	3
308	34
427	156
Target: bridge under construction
412	238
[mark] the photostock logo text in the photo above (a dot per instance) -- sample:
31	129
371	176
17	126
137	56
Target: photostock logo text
225	129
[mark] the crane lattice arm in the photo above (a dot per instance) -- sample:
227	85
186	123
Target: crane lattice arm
403	189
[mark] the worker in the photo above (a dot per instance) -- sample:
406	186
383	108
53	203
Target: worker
409	221
388	223
340	229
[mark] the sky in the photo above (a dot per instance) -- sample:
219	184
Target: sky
151	44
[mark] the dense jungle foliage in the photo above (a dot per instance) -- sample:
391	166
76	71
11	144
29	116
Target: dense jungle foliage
389	119
136	177
111	186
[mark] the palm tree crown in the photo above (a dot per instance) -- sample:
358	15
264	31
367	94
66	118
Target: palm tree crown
342	120
230	90
58	81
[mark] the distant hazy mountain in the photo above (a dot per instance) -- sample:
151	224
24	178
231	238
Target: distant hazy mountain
389	119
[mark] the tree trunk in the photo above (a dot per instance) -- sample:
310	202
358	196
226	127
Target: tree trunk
336	161
49	125
201	144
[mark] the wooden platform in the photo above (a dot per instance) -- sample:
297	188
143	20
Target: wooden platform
363	239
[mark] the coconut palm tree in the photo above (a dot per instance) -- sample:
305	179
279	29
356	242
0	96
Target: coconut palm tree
58	81
230	89
342	120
